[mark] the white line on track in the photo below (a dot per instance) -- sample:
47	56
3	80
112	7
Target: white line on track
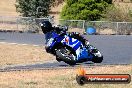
18	44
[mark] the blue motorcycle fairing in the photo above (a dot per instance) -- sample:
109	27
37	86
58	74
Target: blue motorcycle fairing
84	54
73	43
52	36
81	53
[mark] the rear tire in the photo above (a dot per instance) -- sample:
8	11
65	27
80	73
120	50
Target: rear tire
70	63
58	59
64	56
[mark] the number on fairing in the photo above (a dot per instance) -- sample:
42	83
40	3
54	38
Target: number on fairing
50	41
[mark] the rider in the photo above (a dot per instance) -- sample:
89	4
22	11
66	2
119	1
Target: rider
46	27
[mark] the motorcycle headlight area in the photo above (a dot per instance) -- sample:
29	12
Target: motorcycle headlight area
98	54
87	42
94	51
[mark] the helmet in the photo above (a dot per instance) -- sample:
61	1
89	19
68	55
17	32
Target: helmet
46	26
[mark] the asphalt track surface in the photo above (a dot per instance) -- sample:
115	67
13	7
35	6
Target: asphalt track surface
116	49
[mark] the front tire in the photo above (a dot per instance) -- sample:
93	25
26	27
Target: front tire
97	56
97	59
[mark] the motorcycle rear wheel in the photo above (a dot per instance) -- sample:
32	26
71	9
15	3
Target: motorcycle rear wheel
65	55
58	59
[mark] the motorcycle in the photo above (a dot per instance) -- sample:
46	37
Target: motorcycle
71	50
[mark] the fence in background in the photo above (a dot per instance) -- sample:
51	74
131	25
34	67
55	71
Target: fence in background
102	27
32	25
20	23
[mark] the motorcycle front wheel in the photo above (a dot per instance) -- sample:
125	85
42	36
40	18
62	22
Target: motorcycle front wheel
97	59
97	56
